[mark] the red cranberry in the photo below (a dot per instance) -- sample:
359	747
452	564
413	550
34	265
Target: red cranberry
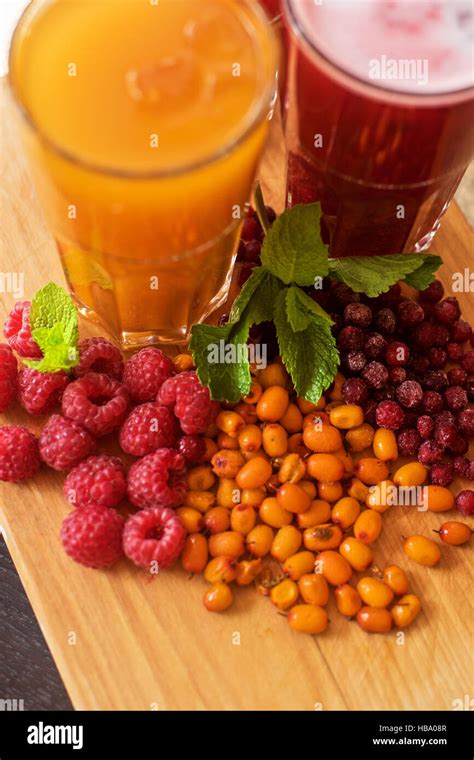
355	391
251	251
251	229
467	362
444	418
397	375
408	442
375	346
455	351
437	357
385	321
433	293
430	453
457	376
355	361
358	314
409	394
432	402
441	336
351	338
446	434
461	466
455	398
370	408
442	474
397	354
465	502
410	313
425	426
460	446
425	336
419	364
466	422
389	415
392	296
375	375
460	331
343	294
436	380
447	312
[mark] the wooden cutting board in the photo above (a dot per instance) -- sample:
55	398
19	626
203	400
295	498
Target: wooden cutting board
124	641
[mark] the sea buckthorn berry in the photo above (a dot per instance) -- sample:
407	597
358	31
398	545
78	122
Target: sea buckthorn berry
250	438
248	412
183	362
273	404
308	618
375	593
330	491
228	493
411	474
292	420
247	570
217	520
293	498
454	533
292	469
306	407
396	579
422	550
296	445
200	500
286	543
345	512
405	610
385	445
225	441
315	418
200	478
209	450
314	589
358	490
336	393
380	496
191	518
308	487
318	513
226	464
348	600
253	497
221	570
273	374
327	467
361	437
230	422
195	553
322	438
228	544
284	594
371	471
375	619
275	440
346	459
218	597
298	564
254	473
273	514
248	455
437	498
321	537
254	394
243	518
334	567
356	553
259	540
368	526
346	416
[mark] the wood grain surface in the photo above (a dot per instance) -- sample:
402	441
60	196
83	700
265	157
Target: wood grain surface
123	640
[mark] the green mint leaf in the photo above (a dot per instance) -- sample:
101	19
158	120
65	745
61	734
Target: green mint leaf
58	354
374	275
52	305
301	309
310	355
292	249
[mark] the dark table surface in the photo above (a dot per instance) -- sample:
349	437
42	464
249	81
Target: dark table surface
27	670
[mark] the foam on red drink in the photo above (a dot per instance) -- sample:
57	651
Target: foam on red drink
381	127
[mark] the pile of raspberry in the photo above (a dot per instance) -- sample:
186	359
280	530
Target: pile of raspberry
159	415
410	365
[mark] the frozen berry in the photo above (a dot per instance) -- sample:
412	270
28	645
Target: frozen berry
63	443
343	294
461	466
436	380
465	502
351	338
460	331
446	434
442	474
190	401
99	355
370	408
192	447
467	362
389	415
97	402
432	402
355	361
397	354
147	428
419	364
355	391
385	321
251	252
397	375
92	536
425	336
433	293
409	394
455	351
457	376
145	372
465	422
441	336
425	426
437	357
408	442
251	229
16	330
387	393
460	446
19	455
157	480
444	418
375	374
154	538
358	314
447	312
39	392
392	295
455	398
8	376
375	346
430	453
97	480
470	389
409	314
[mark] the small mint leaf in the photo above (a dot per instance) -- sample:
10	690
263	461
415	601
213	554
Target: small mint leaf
301	308
425	274
52	305
374	275
57	353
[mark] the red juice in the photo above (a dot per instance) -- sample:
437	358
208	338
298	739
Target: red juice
380	126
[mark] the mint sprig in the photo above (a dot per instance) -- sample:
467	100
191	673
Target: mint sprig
54	327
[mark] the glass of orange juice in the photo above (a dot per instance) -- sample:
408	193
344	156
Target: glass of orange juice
144	121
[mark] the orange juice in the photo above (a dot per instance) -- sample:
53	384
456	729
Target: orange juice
145	120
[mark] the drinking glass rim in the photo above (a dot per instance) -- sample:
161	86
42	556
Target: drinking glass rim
255	114
390	94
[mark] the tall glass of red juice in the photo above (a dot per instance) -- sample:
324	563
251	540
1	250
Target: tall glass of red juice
380	127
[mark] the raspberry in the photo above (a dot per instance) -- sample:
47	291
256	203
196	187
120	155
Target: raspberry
409	394
154	536
465	502
455	351
355	361
358	314
461	466
145	373
375	375
457	376
425	426
460	331
192	447
408	442
432	402
430	452
351	338
446	434
447	312
191	402
375	346
397	354
97	402
147	428
419	364
397	375
455	398
436	380
63	443
99	480
409	314
18	333
385	321
355	391
465	422
157	480
437	357
39	392
433	293
425	336
92	536
442	474
19	455
389	415
8	376
99	355
460	446
467	362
